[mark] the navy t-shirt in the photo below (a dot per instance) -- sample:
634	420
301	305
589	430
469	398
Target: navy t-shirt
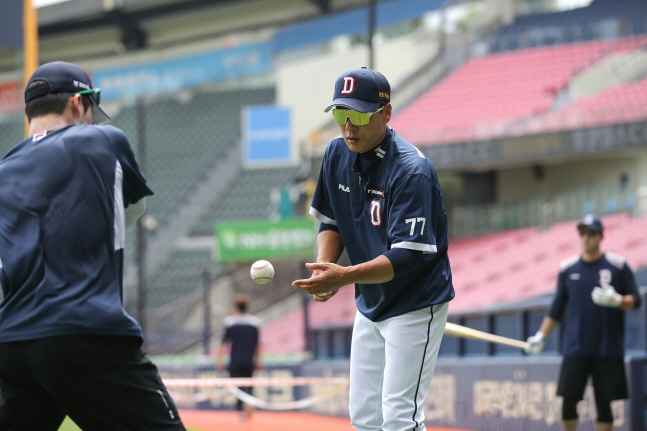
392	200
242	331
588	329
63	195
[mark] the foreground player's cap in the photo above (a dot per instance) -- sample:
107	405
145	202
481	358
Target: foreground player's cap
63	77
592	222
361	90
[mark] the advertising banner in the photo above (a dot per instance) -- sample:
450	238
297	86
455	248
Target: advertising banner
11	97
267	136
246	241
177	73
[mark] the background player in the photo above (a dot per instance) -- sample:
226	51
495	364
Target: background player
67	193
379	197
241	337
593	291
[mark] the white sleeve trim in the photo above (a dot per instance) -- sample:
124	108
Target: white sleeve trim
425	248
322	218
120	213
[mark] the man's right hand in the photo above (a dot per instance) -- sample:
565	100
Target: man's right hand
535	343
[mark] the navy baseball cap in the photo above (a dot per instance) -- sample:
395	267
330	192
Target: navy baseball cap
592	222
361	90
62	77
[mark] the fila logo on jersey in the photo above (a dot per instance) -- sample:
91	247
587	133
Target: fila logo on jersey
344	188
575	276
349	85
375	193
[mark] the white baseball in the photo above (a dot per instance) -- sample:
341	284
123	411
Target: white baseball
262	271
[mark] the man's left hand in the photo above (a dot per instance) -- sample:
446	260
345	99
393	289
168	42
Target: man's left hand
606	296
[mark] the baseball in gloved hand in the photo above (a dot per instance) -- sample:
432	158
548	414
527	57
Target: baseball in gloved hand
535	343
606	296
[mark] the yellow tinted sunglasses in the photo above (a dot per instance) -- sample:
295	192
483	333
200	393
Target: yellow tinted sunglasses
357	118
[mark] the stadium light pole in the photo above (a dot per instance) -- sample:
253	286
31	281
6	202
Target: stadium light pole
371	32
141	229
207	280
306	298
30	44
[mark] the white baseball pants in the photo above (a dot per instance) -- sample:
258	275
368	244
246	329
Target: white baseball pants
391	366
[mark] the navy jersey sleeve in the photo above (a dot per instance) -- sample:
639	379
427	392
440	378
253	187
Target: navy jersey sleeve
556	311
629	285
227	336
321	207
324	227
403	260
411	221
134	184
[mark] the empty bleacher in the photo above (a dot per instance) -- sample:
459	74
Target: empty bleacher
621	104
247	197
518	264
491	96
185	139
180	275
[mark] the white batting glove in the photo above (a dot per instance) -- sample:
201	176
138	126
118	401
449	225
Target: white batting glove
535	343
606	296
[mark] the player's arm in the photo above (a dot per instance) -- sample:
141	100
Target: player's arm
627	302
223	349
135	211
547	326
220	358
134	182
552	319
632	299
327	276
330	245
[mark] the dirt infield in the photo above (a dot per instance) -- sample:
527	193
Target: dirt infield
210	420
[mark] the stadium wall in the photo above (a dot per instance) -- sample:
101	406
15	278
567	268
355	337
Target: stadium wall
549	179
500	394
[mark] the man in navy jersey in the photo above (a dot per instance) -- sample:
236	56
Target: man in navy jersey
378	197
242	339
594	290
67	193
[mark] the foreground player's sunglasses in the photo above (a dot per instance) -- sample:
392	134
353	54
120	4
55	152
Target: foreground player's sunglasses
357	118
95	94
98	114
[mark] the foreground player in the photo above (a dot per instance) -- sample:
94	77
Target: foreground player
67	346
593	291
378	197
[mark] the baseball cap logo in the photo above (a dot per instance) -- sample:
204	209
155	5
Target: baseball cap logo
349	85
82	85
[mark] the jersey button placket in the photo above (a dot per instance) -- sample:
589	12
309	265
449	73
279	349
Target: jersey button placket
359	215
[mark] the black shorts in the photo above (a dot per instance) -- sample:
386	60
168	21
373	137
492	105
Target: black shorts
104	383
243	370
609	379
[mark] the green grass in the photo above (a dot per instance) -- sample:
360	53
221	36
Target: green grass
68	425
